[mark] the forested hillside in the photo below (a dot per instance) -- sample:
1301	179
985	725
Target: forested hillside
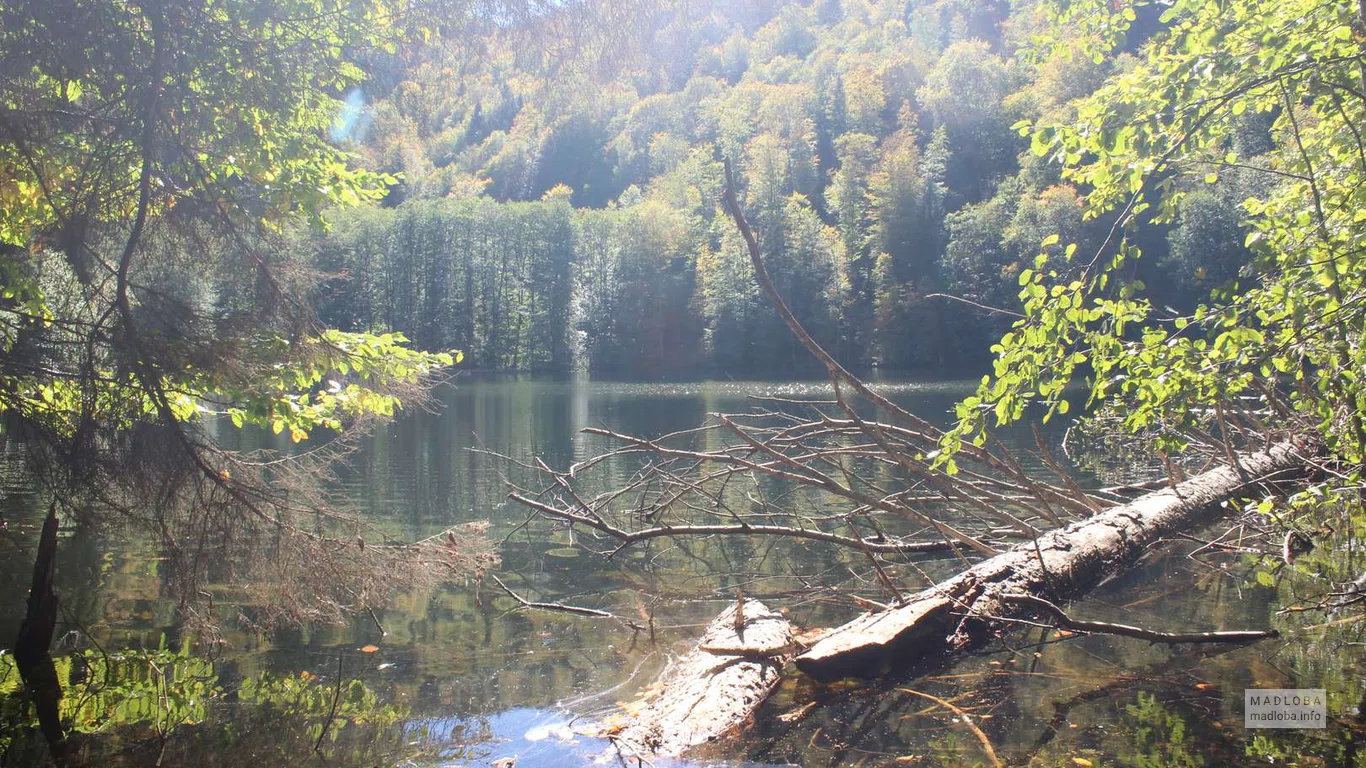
559	199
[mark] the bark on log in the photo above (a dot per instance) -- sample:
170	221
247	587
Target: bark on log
969	608
714	688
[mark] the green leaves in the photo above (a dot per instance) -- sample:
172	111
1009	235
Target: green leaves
161	689
1130	145
197	117
347	376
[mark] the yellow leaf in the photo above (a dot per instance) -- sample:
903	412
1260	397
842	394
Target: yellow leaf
1083	762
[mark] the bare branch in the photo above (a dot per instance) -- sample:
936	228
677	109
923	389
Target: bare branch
1061	618
632	537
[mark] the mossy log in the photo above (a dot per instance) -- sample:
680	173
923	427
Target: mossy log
973	606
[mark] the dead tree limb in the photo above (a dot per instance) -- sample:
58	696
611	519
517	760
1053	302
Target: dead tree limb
837	372
562	608
627	538
968	609
686	490
1064	621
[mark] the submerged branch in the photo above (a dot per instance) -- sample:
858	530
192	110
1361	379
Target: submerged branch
964	718
1062	620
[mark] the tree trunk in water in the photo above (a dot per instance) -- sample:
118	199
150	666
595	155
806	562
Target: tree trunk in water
714	688
968	609
32	648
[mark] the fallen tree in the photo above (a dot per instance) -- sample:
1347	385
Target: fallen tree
889	493
740	658
966	610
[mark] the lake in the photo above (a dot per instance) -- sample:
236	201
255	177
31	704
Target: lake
460	676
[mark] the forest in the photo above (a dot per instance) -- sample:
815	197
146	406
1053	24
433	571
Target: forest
559	211
539	383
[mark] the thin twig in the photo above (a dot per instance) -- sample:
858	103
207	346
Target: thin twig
374	618
525	603
971	303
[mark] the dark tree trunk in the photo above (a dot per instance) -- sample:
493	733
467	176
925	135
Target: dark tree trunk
32	653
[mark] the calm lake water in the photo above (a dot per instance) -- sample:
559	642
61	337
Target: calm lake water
463	678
